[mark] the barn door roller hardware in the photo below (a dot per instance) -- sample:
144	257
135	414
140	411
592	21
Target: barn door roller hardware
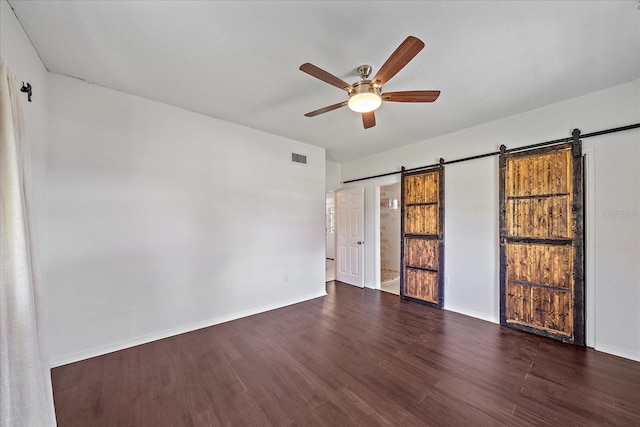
496	153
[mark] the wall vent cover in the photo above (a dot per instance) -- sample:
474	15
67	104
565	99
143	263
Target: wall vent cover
299	158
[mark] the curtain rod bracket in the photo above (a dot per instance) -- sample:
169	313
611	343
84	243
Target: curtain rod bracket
27	89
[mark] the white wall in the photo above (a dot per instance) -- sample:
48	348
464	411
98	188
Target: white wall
471	213
154	220
333	175
615	243
161	220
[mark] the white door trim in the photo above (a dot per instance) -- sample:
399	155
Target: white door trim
377	280
590	245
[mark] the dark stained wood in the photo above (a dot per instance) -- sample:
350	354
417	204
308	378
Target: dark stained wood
422	253
325	76
502	219
541	237
411	96
403	202
578	238
369	119
357	357
400	57
421	284
422	234
441	202
326	109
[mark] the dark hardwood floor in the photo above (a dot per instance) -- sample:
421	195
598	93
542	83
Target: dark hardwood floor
355	357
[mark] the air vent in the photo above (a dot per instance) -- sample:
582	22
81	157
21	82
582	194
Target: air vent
299	158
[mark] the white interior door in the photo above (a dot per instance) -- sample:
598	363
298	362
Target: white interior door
350	236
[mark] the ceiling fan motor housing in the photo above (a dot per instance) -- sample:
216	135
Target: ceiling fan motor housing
364	97
364	86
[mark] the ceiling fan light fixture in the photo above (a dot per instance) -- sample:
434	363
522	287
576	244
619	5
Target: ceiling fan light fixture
364	102
364	98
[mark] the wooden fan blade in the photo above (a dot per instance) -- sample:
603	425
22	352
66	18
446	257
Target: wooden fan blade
326	77
411	96
326	109
369	119
398	59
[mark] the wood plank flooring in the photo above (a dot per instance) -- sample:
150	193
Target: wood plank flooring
356	357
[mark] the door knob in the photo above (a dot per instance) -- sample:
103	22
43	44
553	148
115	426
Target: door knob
360	242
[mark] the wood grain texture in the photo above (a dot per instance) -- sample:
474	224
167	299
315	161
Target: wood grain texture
539	263
421	284
422	188
546	218
538	283
400	57
421	252
421	219
422	233
542	174
357	357
546	175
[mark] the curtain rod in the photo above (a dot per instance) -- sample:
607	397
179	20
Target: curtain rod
495	153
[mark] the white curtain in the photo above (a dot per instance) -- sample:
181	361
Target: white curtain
26	397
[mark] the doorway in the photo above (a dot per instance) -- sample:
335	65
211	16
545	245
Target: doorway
330	236
390	238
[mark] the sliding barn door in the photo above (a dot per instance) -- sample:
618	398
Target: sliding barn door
541	241
422	237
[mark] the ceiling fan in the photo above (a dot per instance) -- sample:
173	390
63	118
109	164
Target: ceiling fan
366	96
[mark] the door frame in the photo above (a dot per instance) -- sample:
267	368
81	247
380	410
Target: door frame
331	193
377	277
589	157
377	260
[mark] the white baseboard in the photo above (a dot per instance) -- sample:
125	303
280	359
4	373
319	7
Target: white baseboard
121	345
618	352
471	313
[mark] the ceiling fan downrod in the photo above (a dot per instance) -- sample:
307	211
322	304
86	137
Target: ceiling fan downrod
364	71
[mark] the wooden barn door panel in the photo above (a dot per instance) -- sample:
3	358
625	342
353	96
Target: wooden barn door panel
541	238
422	234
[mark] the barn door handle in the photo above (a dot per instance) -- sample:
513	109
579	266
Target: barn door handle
360	242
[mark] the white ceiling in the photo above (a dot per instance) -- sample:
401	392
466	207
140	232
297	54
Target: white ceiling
238	61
